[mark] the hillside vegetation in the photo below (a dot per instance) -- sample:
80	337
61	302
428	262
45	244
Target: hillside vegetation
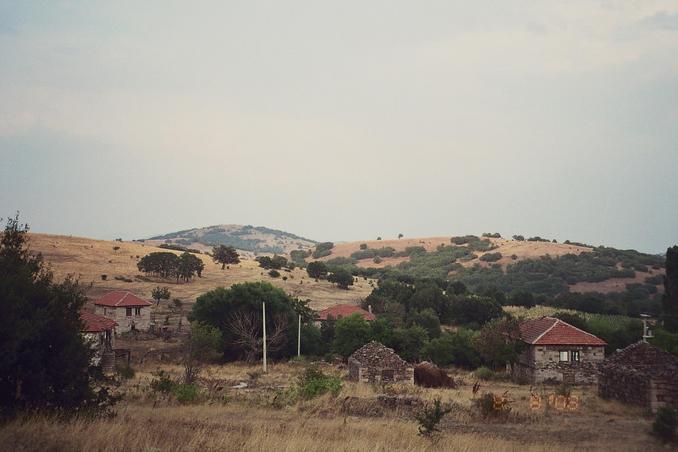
89	260
254	239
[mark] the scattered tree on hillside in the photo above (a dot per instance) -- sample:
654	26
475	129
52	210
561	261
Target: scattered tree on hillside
225	255
188	266
276	262
160	293
317	269
400	236
323	249
168	265
670	300
44	361
342	278
363	246
519	238
378	238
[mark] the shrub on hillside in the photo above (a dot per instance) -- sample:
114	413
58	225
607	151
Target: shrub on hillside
186	393
492	405
322	250
490	257
274	274
483	373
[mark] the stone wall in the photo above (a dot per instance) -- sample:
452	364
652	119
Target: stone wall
375	374
540	363
625	385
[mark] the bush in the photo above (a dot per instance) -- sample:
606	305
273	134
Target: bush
492	405
162	382
664	425
430	417
185	393
322	250
125	371
274	274
490	257
484	373
313	383
363	246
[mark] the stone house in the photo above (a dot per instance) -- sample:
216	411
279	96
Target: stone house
640	374
98	332
559	352
375	363
126	309
344	310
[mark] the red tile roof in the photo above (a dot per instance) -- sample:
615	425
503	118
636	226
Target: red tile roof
552	331
121	298
96	323
345	310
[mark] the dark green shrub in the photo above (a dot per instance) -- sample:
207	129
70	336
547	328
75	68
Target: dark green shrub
363	246
491	405
274	274
483	373
490	257
162	382
430	417
185	393
322	250
664	425
125	371
313	383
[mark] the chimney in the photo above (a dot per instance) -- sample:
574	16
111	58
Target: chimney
369	308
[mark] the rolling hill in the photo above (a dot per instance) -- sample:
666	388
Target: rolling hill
251	239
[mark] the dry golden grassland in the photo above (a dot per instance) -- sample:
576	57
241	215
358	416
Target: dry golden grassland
521	249
88	259
246	419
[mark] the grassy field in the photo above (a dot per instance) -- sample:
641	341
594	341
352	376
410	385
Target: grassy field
88	259
245	419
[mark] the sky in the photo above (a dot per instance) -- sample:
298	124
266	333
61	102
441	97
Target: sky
343	120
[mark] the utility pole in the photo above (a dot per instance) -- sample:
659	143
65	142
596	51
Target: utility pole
647	333
299	338
263	316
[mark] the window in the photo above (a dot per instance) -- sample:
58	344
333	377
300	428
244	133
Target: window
128	312
564	356
387	375
574	354
137	311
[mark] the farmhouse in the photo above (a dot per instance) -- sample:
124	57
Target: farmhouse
640	374
344	310
558	351
98	332
374	363
126	309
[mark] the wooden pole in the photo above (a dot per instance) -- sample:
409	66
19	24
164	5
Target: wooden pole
299	338
263	316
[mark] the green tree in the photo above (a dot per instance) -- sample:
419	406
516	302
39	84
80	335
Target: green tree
409	342
202	344
188	266
350	333
236	312
670	300
428	320
499	342
225	255
317	269
160	293
472	309
44	361
342	278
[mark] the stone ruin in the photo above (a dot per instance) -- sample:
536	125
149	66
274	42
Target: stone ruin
640	374
375	363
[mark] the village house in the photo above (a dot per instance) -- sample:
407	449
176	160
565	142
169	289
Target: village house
375	363
640	374
98	332
126	309
344	310
559	352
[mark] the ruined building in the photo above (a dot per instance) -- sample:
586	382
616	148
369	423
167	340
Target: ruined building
374	363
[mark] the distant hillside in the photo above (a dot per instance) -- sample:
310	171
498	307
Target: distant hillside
255	239
534	265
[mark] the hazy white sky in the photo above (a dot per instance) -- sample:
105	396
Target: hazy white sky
343	120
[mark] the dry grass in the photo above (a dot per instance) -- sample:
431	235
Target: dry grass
88	259
248	421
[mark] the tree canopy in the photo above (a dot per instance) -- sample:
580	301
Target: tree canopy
225	255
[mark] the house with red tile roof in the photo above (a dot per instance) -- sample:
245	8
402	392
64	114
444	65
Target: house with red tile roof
344	310
99	333
559	352
129	311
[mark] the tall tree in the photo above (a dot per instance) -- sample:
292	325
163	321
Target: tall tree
44	360
670	300
160	293
225	255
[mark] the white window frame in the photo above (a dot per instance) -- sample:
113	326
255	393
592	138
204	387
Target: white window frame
572	354
565	354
